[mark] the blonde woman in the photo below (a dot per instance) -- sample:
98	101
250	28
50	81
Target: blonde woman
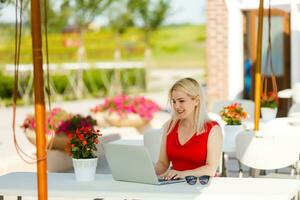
191	142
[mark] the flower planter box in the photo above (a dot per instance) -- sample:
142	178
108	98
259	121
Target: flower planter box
100	118
59	141
131	119
58	161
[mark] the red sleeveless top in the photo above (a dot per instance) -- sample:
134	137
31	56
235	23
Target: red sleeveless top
191	154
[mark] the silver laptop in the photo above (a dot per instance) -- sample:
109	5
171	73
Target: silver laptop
132	163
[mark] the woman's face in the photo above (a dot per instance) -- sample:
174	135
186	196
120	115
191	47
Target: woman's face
183	104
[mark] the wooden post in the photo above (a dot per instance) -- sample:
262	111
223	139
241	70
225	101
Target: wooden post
39	100
257	90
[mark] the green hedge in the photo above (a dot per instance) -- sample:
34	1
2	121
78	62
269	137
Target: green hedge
6	86
96	81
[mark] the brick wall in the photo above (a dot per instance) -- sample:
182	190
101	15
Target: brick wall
216	42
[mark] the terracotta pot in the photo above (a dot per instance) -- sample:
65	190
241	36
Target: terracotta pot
60	141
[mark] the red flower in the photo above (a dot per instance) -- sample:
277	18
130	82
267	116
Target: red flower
81	137
69	135
269	100
83	143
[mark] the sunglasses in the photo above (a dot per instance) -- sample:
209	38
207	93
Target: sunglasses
192	180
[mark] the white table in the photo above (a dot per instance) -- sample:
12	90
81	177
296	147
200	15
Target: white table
63	185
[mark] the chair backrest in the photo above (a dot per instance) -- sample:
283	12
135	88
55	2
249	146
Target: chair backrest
294	111
296	92
152	141
248	105
216	117
262	151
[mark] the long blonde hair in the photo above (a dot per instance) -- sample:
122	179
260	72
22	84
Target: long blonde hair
194	90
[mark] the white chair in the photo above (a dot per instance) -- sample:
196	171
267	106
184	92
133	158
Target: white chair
152	141
294	111
228	145
261	151
296	92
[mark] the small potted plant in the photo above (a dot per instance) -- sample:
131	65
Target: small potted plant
233	115
269	105
82	147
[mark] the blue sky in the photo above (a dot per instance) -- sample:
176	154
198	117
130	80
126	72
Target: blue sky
182	11
187	11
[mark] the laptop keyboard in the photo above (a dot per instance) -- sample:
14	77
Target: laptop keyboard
163	181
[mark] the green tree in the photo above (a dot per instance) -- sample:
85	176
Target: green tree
2	4
81	13
120	19
152	14
56	17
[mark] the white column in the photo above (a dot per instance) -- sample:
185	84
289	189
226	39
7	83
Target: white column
295	41
235	50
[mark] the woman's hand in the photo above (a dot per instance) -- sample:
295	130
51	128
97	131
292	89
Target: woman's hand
173	174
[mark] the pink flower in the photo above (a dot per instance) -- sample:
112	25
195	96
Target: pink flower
60	122
123	104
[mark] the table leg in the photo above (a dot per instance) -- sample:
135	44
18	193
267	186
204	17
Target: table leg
254	172
240	169
224	169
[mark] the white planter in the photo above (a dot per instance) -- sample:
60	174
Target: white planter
85	169
230	133
268	113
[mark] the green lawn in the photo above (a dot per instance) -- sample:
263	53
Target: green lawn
173	46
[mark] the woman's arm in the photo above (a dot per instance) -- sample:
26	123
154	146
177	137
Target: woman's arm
163	162
214	150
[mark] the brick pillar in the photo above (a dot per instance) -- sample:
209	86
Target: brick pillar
216	51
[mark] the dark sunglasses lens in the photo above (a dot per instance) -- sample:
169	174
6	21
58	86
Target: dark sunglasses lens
203	180
191	180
